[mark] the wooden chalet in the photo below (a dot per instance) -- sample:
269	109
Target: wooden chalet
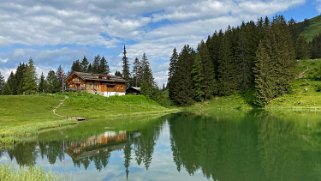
103	84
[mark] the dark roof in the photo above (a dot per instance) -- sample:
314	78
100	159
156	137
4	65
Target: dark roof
99	77
134	88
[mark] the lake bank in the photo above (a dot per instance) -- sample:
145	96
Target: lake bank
23	117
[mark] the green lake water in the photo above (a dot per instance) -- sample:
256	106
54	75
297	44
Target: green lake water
220	146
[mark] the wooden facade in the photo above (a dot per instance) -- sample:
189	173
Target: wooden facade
103	84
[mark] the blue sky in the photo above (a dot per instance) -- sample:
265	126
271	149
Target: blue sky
58	32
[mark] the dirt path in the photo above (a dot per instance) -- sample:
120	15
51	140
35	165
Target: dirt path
58	106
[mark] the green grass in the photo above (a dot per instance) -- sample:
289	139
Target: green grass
313	28
97	107
23	117
24	174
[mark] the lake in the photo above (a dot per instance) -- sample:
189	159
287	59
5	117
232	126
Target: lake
216	145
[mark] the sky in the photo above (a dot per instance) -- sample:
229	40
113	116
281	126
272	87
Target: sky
58	32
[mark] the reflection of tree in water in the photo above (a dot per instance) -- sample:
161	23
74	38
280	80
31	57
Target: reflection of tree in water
24	153
255	147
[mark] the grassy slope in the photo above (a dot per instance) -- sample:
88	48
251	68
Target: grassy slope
304	95
313	28
24	174
27	115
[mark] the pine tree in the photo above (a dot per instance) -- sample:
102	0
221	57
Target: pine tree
197	78
2	82
183	91
84	64
76	66
125	73
315	47
95	64
171	83
21	70
29	85
118	73
147	85
301	48
103	66
61	77
42	87
53	84
262	70
10	85
208	71
136	73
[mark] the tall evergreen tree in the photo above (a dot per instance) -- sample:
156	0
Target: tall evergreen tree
136	73
76	66
29	85
20	72
103	66
171	83
2	82
10	85
84	64
197	78
208	72
315	47
42	87
53	84
118	73
125	73
302	48
183	91
147	85
61	77
95	64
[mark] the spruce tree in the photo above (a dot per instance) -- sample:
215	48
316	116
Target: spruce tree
29	85
103	66
208	72
183	91
19	78
171	83
61	77
301	48
53	84
136	73
118	73
42	87
315	47
76	66
147	81
2	82
10	85
84	64
125	73
95	64
197	79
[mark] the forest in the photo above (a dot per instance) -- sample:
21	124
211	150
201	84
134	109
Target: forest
256	57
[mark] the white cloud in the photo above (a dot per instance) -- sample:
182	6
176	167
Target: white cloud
318	3
154	27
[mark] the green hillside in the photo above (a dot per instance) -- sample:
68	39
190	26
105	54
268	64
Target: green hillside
310	27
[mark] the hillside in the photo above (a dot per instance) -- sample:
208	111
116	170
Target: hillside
28	115
310	27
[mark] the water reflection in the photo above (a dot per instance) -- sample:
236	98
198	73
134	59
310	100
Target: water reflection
234	146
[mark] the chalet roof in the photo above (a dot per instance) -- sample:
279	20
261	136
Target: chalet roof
99	77
134	88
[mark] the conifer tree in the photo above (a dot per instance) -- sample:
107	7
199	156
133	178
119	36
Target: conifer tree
183	91
2	82
42	87
95	64
21	70
118	73
147	80
208	72
53	84
262	70
103	66
84	64
301	48
76	66
125	73
61	77
136	73
29	85
10	85
315	47
171	83
197	78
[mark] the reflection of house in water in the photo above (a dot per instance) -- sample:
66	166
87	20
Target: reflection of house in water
94	145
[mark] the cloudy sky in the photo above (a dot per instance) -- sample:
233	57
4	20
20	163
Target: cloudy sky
57	32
